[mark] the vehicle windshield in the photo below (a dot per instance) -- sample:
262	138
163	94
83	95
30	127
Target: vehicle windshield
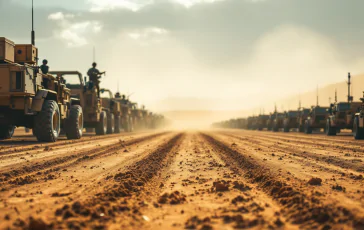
343	106
320	110
305	111
71	79
293	113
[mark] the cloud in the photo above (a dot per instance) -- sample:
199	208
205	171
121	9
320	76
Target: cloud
136	5
148	35
107	5
73	33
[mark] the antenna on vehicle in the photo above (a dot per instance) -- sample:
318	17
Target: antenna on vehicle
33	33
350	98
275	108
317	96
335	95
299	104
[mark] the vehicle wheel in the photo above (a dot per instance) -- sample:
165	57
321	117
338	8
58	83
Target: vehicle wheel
101	127
118	124
358	132
74	124
48	122
308	129
6	131
330	131
110	124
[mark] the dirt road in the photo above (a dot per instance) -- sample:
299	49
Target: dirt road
221	179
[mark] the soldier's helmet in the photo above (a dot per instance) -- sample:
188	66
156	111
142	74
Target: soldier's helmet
117	95
123	96
94	64
45	62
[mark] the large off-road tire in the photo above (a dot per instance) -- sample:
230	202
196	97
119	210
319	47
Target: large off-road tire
358	132
6	131
330	131
101	127
110	123
74	124
308	129
47	123
118	124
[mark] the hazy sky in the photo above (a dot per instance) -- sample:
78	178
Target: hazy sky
198	54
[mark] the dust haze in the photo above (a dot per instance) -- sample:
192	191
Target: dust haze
213	59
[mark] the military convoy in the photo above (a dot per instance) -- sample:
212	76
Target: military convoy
56	102
347	115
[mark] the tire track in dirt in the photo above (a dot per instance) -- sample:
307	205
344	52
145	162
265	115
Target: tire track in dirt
332	143
22	146
343	185
300	203
121	194
47	168
200	191
306	151
44	197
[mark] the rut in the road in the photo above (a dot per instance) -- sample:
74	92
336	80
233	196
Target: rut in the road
300	206
43	169
114	198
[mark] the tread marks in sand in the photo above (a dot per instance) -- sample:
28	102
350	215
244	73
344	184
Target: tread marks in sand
299	206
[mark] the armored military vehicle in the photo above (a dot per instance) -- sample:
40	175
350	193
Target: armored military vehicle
342	114
290	120
316	119
278	122
301	118
32	99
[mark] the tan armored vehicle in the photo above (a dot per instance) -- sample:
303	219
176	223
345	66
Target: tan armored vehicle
316	119
126	108
342	114
114	124
34	100
137	115
278	122
301	118
97	114
290	120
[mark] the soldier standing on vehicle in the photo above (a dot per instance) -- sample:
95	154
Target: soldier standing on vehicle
45	69
124	100
94	76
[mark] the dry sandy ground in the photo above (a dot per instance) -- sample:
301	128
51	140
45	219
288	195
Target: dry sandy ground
222	179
